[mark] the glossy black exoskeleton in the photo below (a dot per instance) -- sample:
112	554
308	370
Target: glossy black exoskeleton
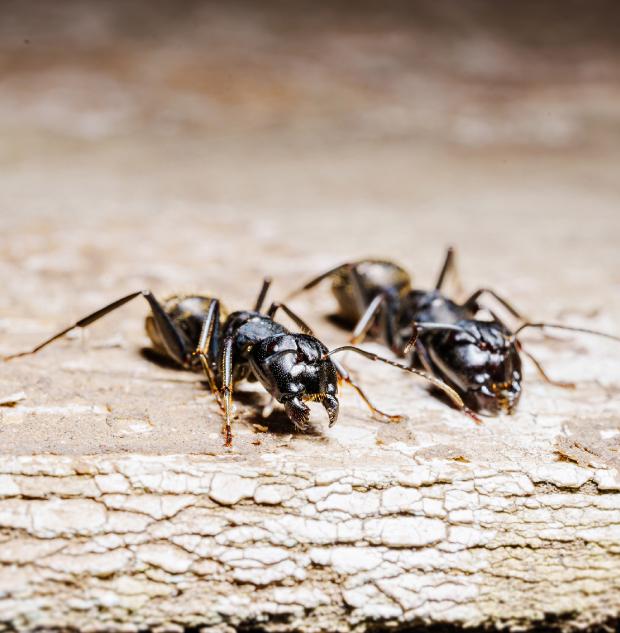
194	332
293	368
479	358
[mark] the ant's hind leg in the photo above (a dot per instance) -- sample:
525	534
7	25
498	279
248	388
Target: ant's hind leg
299	322
346	377
170	337
317	280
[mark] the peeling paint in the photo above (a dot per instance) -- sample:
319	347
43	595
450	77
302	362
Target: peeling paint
442	543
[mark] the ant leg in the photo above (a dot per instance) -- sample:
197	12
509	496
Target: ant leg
346	377
368	318
556	326
359	294
172	339
268	408
299	322
317	280
205	346
451	393
422	354
388	317
543	374
449	266
472	303
348	268
227	387
262	294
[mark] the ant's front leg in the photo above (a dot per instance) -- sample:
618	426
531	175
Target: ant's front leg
471	303
226	365
540	369
205	346
346	377
556	326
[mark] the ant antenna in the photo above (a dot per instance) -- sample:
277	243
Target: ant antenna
418	327
451	393
569	328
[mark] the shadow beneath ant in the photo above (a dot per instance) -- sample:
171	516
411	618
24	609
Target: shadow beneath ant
277	422
340	322
148	353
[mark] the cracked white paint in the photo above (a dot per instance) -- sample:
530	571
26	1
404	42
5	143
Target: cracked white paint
168	557
229	489
561	474
8	487
441	542
273	494
608	480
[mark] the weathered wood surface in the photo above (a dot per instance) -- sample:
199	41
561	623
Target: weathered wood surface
119	507
156	541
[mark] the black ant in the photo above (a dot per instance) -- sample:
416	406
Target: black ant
480	359
249	345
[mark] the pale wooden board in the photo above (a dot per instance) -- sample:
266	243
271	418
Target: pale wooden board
228	146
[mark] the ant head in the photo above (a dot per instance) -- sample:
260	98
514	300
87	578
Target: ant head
293	368
481	360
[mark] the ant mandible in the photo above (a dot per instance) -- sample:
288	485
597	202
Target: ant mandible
249	345
479	358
